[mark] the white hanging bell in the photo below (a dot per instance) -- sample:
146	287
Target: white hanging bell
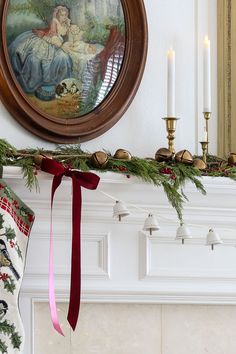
151	224
183	233
120	210
213	238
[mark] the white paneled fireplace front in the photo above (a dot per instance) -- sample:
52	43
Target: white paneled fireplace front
121	264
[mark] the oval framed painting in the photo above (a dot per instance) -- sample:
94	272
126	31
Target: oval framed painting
70	68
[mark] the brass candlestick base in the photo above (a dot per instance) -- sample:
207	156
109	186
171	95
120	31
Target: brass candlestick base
170	128
204	150
207	116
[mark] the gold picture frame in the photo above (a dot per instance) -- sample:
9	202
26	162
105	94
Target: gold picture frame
226	77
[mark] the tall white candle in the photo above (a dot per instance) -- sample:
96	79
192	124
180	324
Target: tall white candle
207	76
171	83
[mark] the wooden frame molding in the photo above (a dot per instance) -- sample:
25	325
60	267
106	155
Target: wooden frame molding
226	76
107	113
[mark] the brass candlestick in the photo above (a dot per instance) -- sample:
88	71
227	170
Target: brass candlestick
204	150
207	116
171	127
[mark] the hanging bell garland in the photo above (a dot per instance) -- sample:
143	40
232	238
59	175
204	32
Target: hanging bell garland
99	159
122	154
183	233
163	154
213	238
151	224
184	156
120	210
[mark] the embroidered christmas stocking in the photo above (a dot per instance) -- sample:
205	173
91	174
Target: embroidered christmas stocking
16	220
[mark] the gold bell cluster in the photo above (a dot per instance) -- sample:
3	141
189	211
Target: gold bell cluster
183	156
99	159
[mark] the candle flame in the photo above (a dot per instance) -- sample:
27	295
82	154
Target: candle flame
206	41
170	52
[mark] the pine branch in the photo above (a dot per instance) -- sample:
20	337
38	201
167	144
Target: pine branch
28	168
69	150
148	170
7	152
175	199
188	173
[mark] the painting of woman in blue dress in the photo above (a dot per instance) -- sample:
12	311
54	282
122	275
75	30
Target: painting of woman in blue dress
67	64
37	57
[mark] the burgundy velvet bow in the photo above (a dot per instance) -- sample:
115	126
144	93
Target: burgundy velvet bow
79	179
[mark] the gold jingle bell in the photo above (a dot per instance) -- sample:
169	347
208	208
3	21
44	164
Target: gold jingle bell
122	154
232	159
184	156
38	160
99	159
199	164
163	154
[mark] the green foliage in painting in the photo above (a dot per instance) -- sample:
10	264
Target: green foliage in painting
95	31
34	14
42	9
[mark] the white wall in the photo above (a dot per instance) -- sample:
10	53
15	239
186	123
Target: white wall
182	24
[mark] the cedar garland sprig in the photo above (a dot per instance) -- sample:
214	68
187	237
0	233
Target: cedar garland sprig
170	175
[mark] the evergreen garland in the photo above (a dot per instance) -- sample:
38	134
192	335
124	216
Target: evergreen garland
170	175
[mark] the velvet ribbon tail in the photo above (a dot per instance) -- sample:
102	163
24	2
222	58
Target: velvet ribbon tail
79	179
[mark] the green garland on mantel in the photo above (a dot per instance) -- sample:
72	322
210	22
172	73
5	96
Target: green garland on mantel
170	175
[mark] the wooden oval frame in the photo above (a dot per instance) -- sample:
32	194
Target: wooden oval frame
104	116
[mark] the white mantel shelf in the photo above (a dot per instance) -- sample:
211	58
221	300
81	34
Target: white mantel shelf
120	262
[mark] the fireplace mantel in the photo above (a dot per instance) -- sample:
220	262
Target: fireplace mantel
121	263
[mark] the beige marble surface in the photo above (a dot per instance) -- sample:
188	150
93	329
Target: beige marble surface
139	329
46	340
199	329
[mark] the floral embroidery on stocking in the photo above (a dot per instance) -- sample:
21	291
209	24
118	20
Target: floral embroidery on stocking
16	220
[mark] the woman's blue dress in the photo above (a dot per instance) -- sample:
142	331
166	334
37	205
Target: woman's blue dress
38	63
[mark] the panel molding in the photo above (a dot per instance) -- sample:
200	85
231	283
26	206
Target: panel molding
178	276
